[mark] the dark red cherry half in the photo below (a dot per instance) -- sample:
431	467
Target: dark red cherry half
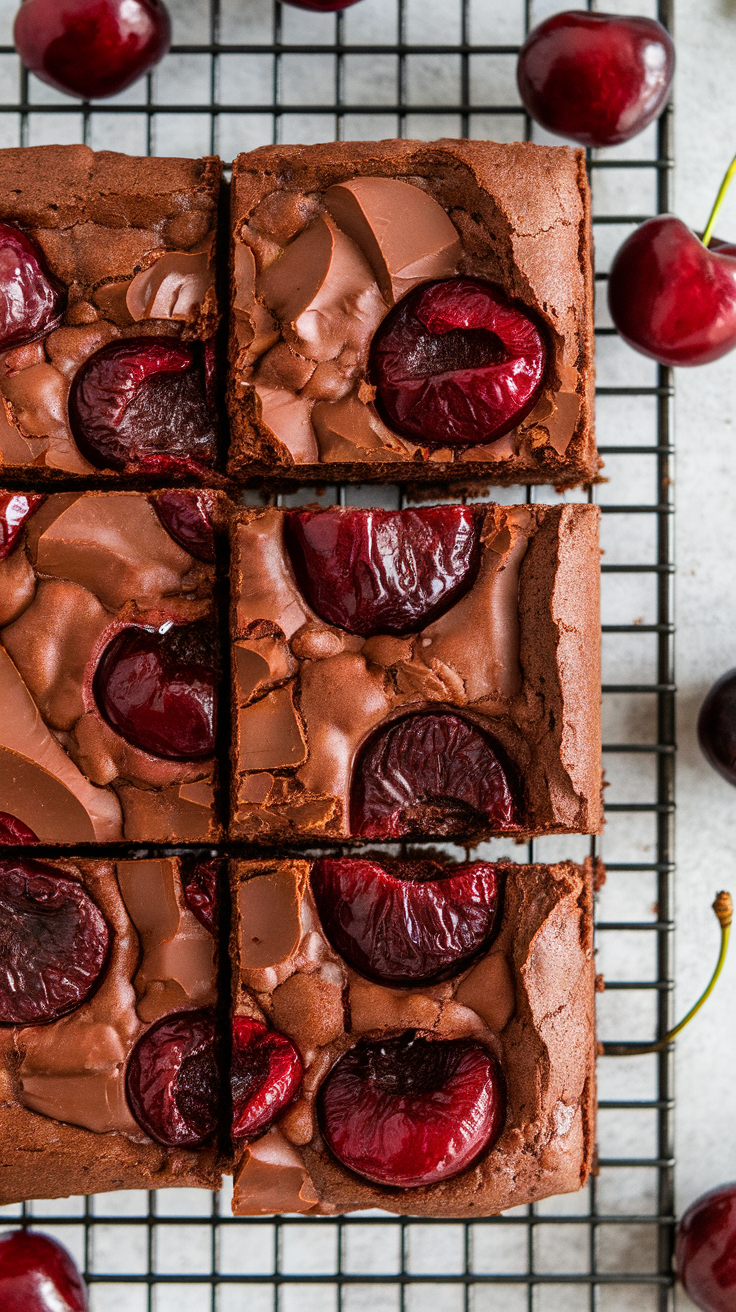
265	1074
15	509
199	882
38	1275
13	832
185	516
30	303
53	943
143	397
383	571
157	689
172	1080
411	923
431	775
456	363
410	1111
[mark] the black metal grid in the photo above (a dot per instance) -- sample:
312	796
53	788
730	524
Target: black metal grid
608	1249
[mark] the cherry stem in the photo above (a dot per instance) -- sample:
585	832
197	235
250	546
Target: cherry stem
723	907
727	179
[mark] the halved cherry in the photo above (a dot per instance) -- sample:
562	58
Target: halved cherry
185	515
199	882
173	1082
15	509
14	833
30	301
265	1074
383	571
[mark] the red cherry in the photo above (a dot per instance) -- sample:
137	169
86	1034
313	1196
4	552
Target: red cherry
671	297
705	1251
383	571
185	516
15	509
157	690
717	726
199	882
456	363
172	1081
597	78
38	1275
322	6
411	923
14	833
30	301
431	775
91	48
265	1073
53	943
409	1111
143	399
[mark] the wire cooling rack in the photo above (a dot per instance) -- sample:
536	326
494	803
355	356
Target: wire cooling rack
242	73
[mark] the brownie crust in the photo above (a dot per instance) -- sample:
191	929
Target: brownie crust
522	215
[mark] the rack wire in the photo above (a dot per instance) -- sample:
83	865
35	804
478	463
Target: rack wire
242	73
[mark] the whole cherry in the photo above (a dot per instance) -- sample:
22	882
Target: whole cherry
322	6
717	726
38	1275
597	78
672	296
91	48
705	1252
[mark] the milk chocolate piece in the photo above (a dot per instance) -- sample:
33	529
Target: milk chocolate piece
131	244
304	217
92	564
65	1124
530	1000
518	655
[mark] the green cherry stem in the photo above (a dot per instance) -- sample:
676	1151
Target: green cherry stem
727	179
723	907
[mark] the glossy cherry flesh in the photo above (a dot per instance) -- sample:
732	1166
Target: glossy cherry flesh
265	1073
456	364
410	923
54	942
14	833
431	774
156	688
172	1081
144	403
717	726
185	515
383	571
705	1253
30	302
410	1111
671	297
38	1275
199	882
596	78
91	48
15	509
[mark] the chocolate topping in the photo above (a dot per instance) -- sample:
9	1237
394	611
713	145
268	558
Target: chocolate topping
174	287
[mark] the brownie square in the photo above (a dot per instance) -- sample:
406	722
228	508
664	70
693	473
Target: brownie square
66	1124
83	574
528	1000
326	238
509	672
129	244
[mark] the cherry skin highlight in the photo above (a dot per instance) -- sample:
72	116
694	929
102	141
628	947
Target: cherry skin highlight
705	1251
383	571
431	774
185	516
411	923
13	832
38	1275
596	78
172	1080
158	690
91	48
199	882
30	302
409	1111
265	1073
54	942
456	363
144	403
671	297
15	509
717	727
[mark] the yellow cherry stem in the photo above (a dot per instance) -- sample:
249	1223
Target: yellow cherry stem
723	907
727	179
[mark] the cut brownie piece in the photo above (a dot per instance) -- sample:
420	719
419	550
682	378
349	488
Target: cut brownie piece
101	957
431	672
475	260
108	665
109	313
522	1001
